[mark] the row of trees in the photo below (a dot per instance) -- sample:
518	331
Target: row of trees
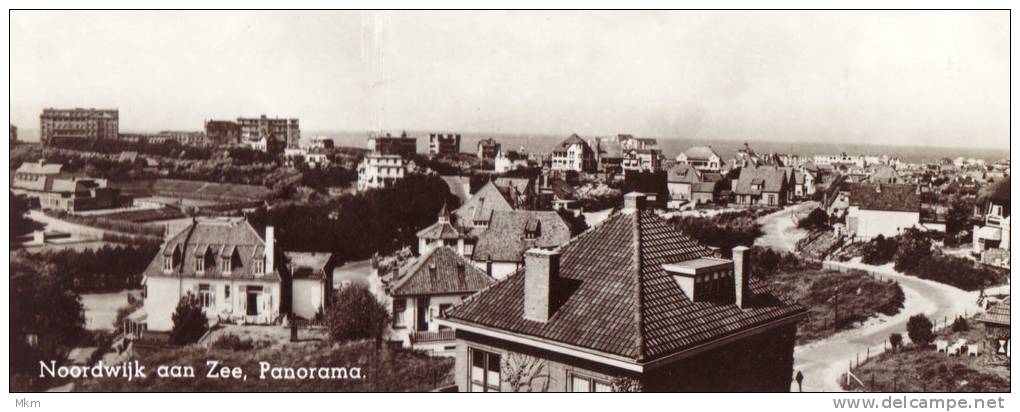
913	254
725	230
106	269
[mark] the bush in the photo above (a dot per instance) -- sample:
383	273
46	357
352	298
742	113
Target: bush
816	220
913	248
895	340
960	324
919	329
724	230
880	250
356	314
190	322
233	342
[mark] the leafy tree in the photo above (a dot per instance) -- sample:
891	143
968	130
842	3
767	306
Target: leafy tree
190	322
914	247
19	223
880	250
960	324
919	329
895	340
357	314
47	319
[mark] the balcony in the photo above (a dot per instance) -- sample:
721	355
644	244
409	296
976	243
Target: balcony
438	336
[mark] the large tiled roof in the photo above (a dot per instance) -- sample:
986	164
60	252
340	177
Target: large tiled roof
617	299
309	265
219	237
572	140
684	173
453	275
505	241
771	180
481	205
518	184
998	313
887	197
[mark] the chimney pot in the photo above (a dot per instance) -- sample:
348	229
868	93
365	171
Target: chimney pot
541	269
633	201
741	276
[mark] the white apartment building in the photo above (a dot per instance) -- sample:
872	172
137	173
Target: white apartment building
379	171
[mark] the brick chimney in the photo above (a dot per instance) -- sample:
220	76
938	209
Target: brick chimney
742	276
541	269
270	249
633	201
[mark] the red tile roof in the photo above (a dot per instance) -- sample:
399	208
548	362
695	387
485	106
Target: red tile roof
617	299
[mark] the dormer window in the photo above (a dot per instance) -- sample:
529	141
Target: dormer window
168	264
225	265
260	267
199	265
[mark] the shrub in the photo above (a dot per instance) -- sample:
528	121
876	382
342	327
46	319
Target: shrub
914	247
190	322
233	342
880	250
815	220
919	329
356	314
895	340
960	324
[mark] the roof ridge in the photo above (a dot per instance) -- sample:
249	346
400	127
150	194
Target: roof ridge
639	336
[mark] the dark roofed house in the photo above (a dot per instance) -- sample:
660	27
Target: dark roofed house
763	185
500	248
996	321
475	214
426	287
681	180
441	233
630	303
573	154
311	281
883	209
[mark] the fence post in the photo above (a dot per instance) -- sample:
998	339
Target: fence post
867	355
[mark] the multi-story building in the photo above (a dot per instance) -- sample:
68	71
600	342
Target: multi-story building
92	124
223	132
377	171
269	134
632	304
642	160
703	158
488	149
444	144
54	189
573	154
401	146
994	234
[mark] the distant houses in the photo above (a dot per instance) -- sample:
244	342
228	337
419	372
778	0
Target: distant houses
379	171
630	304
389	145
444	144
702	158
488	149
55	189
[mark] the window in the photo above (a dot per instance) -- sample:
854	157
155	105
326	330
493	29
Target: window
225	265
199	265
585	384
484	373
205	295
168	264
399	306
260	267
226	292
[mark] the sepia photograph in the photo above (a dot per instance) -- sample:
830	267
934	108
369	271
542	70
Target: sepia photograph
439	201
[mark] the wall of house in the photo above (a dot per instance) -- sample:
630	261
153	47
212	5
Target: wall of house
500	270
679	191
871	223
163	293
308	296
759	363
410	315
702	197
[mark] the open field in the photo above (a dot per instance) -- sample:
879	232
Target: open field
192	189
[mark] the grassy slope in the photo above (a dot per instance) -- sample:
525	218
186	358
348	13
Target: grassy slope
395	370
860	298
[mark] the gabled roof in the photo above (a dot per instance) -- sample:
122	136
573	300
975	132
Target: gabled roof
704	187
684	173
458	186
998	313
771	180
519	184
225	238
309	265
887	197
439	230
481	205
572	140
505	241
700	153
453	274
617	299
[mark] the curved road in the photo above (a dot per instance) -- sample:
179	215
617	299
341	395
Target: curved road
780	228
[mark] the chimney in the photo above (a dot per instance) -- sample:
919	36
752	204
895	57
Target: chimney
633	201
488	265
270	249
460	270
541	268
742	276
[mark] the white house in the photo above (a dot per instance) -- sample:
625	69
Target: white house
703	158
422	290
377	171
995	232
311	282
506	161
882	209
573	154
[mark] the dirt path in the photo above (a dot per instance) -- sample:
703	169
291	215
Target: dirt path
780	228
823	362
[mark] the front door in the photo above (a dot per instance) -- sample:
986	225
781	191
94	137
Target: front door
422	314
253	303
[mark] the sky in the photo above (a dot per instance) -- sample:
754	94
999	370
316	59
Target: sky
896	78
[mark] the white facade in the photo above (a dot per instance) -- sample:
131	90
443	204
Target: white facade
574	158
418	314
866	224
307	298
712	164
499	270
378	171
248	301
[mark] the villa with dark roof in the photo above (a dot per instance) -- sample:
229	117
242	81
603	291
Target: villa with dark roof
236	274
703	158
629	304
573	154
764	185
882	209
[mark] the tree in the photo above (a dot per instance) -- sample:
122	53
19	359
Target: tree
190	322
19	223
914	248
895	340
919	329
960	324
48	318
880	250
356	314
